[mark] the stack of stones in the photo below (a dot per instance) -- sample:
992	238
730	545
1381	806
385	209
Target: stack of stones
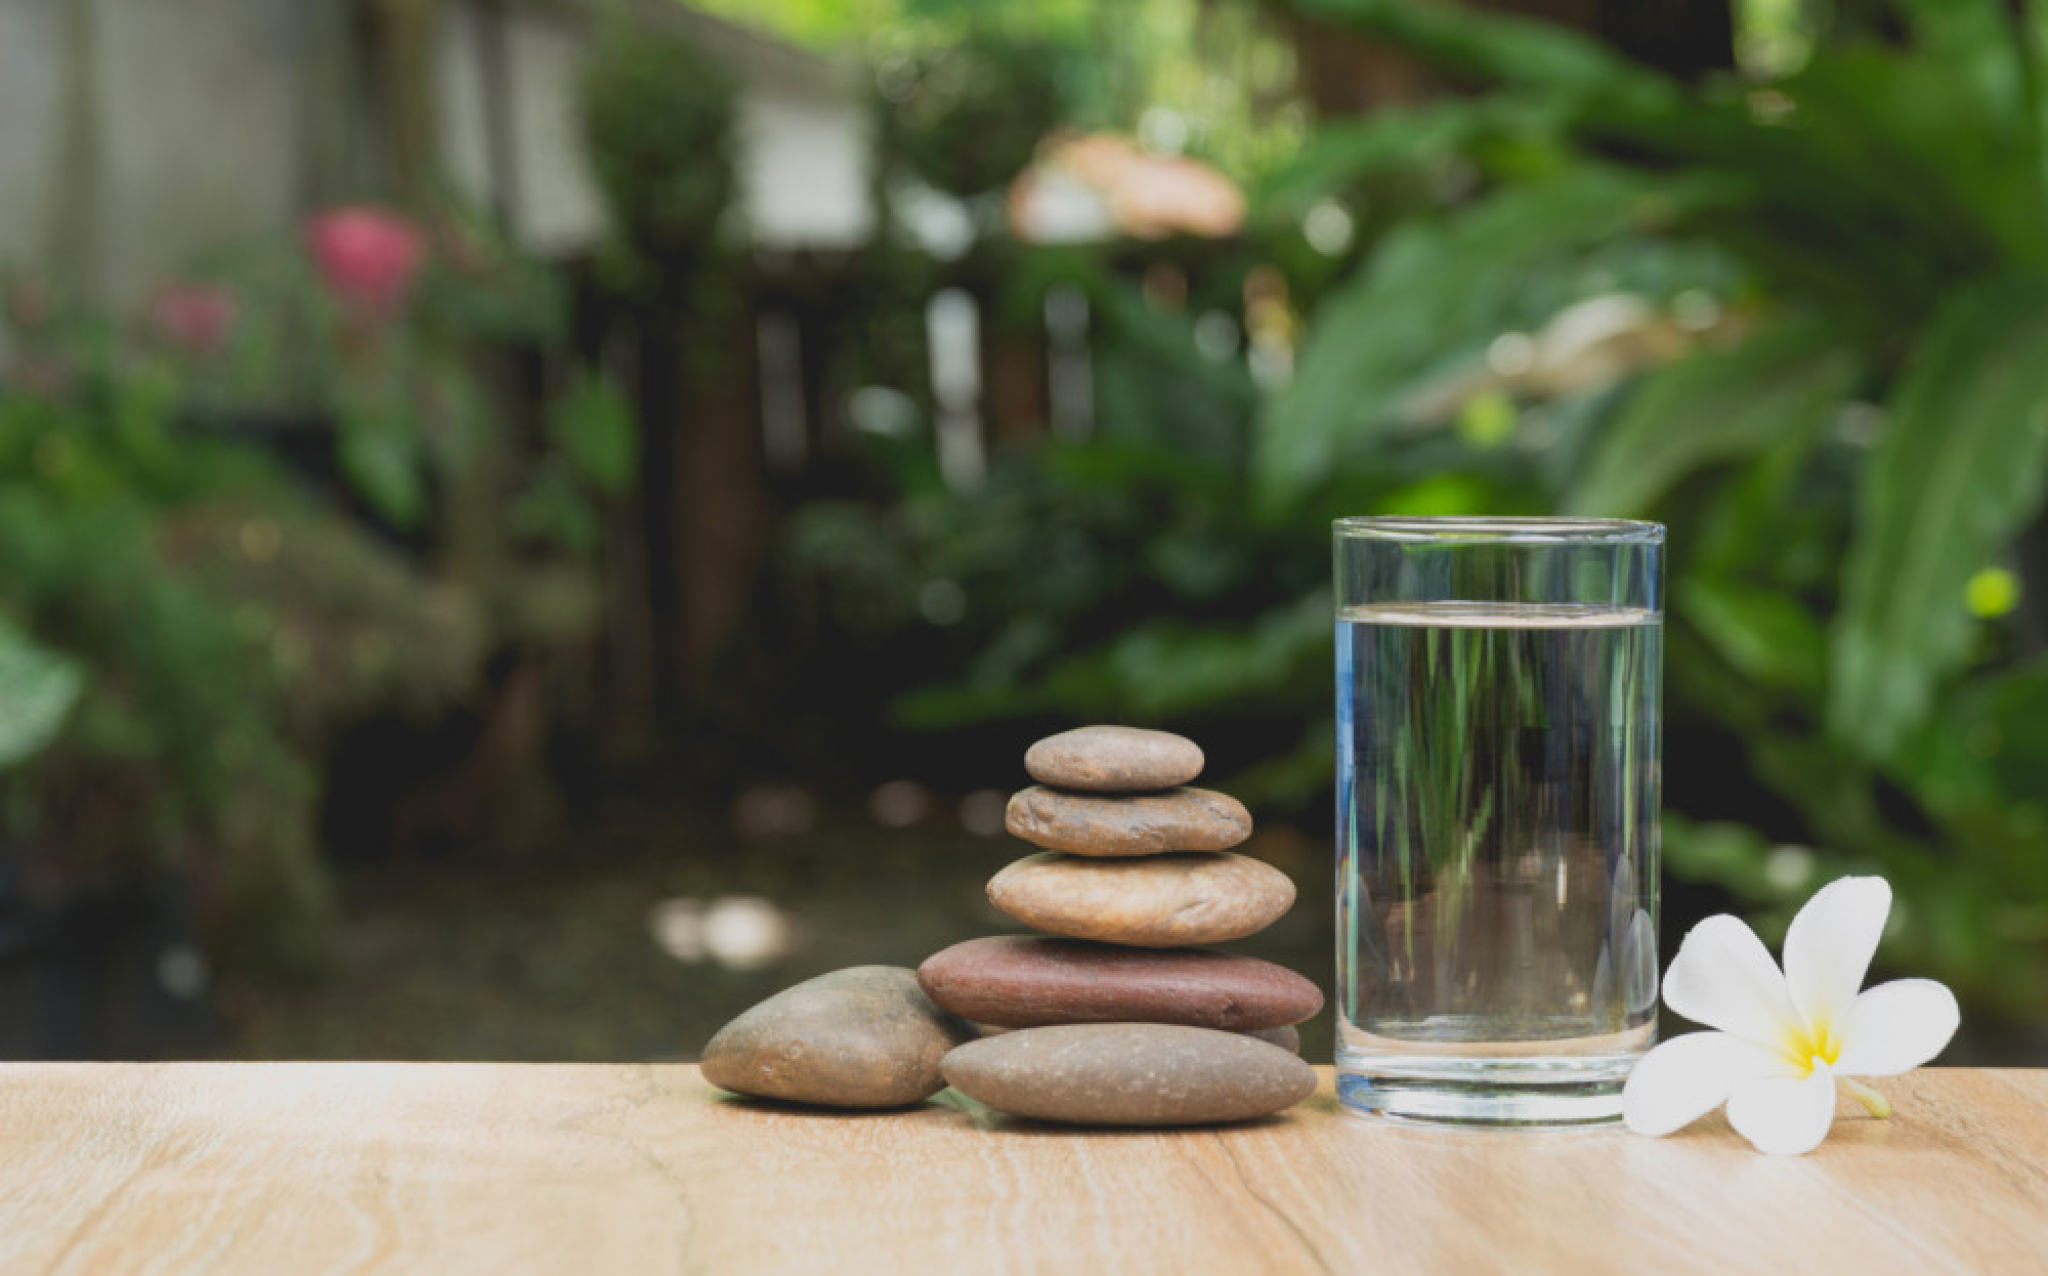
1120	1019
1116	1018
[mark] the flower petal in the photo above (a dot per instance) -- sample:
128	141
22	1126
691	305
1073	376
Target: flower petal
1829	947
1724	978
1785	1115
1896	1027
1687	1077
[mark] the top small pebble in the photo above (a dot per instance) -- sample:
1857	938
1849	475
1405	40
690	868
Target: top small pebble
1114	760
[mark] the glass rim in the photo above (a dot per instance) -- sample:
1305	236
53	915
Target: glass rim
1513	530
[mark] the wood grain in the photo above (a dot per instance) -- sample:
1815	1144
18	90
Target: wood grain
455	1168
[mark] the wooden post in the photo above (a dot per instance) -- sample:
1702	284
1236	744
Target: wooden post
494	36
74	230
405	34
1017	398
720	513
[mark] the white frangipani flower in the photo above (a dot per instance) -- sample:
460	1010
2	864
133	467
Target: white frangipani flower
1785	1038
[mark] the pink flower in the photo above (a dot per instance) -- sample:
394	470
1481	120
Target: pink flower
369	256
196	318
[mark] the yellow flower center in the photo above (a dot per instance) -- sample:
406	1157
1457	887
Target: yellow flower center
1808	1046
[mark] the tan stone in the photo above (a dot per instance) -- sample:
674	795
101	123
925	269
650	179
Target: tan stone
865	1037
1135	824
1196	897
1114	760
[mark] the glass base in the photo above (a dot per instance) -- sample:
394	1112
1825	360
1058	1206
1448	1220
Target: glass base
1492	1093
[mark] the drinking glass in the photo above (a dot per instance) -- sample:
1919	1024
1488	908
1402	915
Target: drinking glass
1497	846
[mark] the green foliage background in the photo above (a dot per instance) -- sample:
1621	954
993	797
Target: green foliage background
1857	434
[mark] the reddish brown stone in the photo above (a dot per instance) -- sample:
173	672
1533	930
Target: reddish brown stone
866	1037
1129	1074
1114	760
1136	824
1287	1037
1023	981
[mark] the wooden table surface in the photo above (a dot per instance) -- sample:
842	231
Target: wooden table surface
287	1168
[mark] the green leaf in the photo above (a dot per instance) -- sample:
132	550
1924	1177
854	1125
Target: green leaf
1984	746
1950	158
1441	496
1430	284
553	508
1733	856
593	425
384	466
38	687
1514	51
1153	672
1957	472
1296	779
1399	140
1767	637
1713	406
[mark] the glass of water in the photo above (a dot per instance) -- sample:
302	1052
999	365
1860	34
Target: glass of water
1497	850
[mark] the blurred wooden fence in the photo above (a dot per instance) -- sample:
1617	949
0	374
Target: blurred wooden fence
747	418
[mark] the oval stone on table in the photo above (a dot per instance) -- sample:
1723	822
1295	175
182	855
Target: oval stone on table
1161	901
1114	760
1134	824
1021	981
865	1037
1130	1074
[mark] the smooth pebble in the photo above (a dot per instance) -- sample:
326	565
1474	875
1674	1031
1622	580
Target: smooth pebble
1161	901
864	1037
1130	1074
1135	824
1022	981
1114	759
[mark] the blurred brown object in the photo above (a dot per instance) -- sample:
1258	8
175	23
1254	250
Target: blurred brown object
1099	185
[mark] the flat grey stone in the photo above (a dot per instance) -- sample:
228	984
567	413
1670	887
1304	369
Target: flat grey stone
1133	824
864	1037
1131	1074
